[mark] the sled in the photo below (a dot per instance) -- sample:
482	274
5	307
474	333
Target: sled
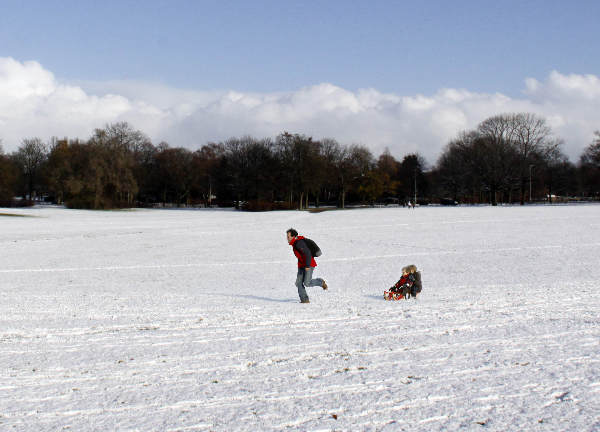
391	295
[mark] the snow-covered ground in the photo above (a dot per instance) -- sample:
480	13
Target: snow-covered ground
172	320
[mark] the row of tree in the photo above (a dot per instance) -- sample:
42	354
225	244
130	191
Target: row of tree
508	158
515	155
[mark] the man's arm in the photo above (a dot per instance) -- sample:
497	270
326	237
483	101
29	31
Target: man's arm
304	250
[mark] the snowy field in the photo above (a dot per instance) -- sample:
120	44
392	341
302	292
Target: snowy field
174	320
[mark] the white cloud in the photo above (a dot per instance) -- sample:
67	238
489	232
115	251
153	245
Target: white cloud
34	103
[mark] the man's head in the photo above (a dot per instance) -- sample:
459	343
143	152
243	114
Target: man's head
291	233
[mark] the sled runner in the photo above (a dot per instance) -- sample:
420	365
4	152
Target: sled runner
391	295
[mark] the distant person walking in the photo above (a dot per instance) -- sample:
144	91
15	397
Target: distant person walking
306	264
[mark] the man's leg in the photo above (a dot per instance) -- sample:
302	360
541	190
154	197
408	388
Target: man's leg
309	281
300	285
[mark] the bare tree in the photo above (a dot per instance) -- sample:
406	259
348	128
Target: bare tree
589	166
205	168
58	169
124	136
296	155
495	154
175	170
357	165
8	176
591	155
558	174
31	155
334	156
532	139
411	175
454	171
259	183
113	147
388	168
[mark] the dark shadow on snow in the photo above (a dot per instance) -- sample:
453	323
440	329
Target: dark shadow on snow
254	297
375	297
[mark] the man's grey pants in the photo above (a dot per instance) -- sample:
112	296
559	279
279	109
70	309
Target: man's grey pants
304	279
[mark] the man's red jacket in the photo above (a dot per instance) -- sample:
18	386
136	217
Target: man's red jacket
302	252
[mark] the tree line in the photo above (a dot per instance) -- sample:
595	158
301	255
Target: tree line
507	158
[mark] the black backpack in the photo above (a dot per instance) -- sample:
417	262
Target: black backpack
313	247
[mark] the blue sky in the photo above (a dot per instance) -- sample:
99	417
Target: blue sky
403	47
170	55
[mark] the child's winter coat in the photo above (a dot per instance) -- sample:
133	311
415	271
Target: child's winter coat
402	283
416	286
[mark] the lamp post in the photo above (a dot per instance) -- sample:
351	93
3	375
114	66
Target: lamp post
530	166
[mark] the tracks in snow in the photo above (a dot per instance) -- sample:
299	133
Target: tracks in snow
267	371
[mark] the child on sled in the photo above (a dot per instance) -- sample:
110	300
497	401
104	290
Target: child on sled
408	285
